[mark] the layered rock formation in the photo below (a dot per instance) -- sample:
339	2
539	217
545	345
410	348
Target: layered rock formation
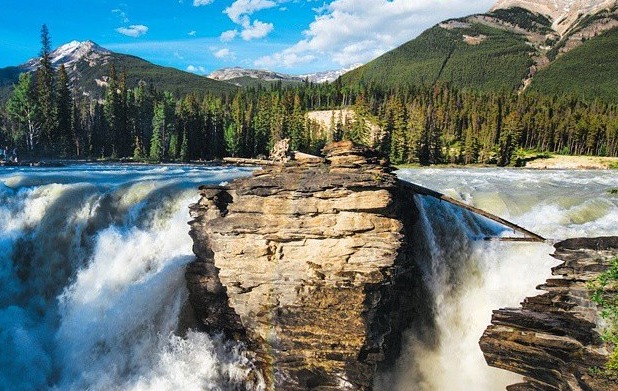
563	13
306	264
553	340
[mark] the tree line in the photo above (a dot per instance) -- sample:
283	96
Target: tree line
435	124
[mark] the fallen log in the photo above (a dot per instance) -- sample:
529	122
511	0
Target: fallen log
249	162
432	193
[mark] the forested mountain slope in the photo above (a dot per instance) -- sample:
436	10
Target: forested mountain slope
505	50
88	67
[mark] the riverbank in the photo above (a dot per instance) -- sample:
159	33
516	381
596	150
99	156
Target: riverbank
564	162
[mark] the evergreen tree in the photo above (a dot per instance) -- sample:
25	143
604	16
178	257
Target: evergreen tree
112	108
45	76
64	109
184	148
158	127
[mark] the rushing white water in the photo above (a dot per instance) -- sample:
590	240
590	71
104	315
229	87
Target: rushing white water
467	278
92	263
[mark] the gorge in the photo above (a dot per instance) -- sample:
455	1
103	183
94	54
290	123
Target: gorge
94	260
320	266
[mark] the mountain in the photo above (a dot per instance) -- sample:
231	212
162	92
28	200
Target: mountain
563	13
328	76
251	77
546	45
88	66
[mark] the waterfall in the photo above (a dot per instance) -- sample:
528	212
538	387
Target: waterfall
92	261
92	273
466	278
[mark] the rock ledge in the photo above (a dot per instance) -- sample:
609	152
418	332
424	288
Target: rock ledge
553	340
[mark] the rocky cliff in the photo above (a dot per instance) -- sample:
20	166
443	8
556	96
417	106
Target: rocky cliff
553	340
306	263
563	13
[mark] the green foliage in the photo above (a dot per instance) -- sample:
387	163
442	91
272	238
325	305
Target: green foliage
499	62
525	19
604	293
589	71
23	108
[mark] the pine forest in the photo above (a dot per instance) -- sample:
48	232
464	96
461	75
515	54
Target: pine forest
435	124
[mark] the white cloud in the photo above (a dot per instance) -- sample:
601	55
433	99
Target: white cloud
345	32
134	30
192	33
197	69
223	53
240	13
240	10
229	35
197	3
256	30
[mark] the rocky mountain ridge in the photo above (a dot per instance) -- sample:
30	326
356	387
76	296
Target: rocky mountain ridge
511	48
563	13
88	66
71	53
233	75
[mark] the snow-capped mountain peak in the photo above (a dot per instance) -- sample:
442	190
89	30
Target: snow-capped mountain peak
237	72
72	52
328	76
226	74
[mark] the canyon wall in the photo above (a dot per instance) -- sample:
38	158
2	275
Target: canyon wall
554	339
306	263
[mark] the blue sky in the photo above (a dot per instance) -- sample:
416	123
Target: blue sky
292	36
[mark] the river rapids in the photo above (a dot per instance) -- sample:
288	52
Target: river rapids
92	261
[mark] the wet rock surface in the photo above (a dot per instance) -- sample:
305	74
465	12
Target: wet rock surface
306	263
554	339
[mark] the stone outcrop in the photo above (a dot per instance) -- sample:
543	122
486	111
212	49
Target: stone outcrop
553	340
306	263
563	13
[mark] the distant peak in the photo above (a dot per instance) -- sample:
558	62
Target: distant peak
563	13
75	51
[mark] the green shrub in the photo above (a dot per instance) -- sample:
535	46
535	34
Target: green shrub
605	295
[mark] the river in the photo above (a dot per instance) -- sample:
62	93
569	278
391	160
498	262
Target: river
92	262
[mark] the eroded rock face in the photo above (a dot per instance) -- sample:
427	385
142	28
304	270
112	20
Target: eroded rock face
307	264
553	340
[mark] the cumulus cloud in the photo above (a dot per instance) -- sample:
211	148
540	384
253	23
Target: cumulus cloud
240	10
192	33
256	30
197	3
134	30
197	69
240	13
229	35
345	32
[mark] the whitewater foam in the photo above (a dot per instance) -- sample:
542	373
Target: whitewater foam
468	278
92	268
